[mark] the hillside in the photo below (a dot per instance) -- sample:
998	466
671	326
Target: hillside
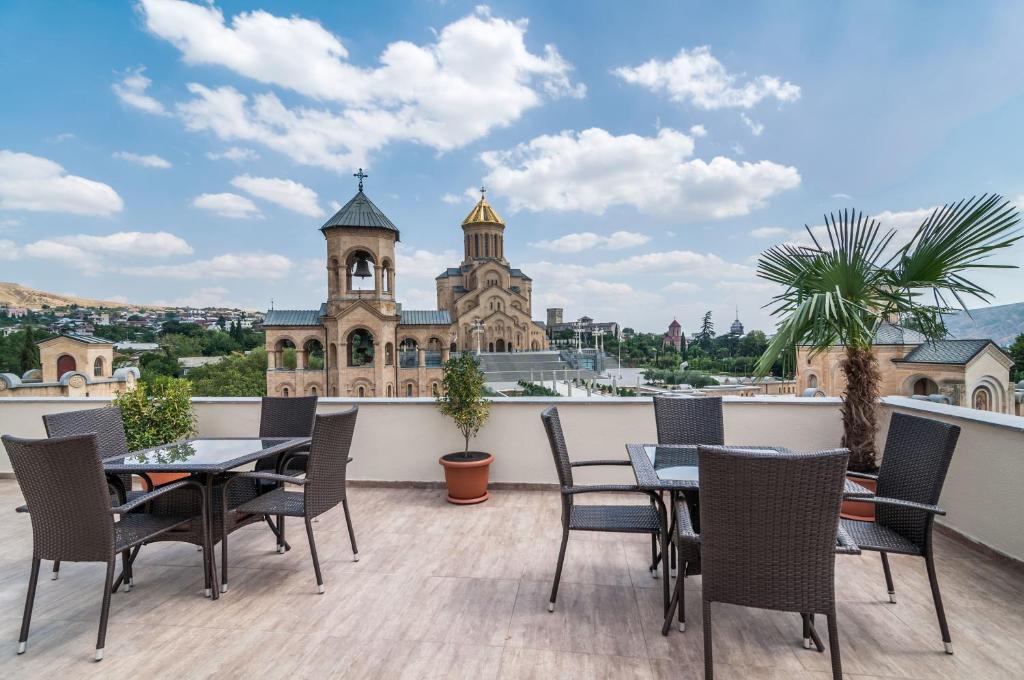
1002	323
17	295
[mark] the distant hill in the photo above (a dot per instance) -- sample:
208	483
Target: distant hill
17	295
1002	323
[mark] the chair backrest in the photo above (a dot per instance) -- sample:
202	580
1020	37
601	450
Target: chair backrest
914	465
689	420
559	451
105	422
328	460
768	526
66	493
287	416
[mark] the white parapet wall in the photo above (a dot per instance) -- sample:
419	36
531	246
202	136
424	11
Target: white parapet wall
400	440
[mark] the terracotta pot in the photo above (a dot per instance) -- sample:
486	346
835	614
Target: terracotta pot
466	476
161	478
859	509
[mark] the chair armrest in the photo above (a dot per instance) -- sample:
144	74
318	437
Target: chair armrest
684	523
844	544
861	475
600	488
899	503
159	491
287	479
21	508
589	463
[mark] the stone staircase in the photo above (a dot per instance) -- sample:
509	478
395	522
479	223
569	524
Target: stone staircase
515	366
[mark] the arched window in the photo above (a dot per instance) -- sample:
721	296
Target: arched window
408	390
360	348
433	389
389	390
925	386
359	271
284	355
982	400
97	367
407	353
312	391
487	246
362	391
812	381
314	352
284	391
65	363
389	354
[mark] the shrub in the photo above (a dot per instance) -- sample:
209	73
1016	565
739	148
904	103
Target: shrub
157	412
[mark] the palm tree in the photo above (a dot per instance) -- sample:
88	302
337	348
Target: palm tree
839	292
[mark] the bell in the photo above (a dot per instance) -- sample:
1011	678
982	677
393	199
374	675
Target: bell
362	269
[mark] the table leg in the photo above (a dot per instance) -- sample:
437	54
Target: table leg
663	522
213	592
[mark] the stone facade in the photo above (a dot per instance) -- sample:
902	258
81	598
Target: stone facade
73	365
971	373
362	343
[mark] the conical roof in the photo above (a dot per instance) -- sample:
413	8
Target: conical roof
360	212
483	213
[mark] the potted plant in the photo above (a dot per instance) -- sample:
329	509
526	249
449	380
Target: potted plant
839	293
462	400
158	412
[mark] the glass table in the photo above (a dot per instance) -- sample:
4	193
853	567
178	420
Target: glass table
206	459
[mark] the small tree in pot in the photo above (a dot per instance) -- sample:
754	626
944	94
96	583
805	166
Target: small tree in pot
462	400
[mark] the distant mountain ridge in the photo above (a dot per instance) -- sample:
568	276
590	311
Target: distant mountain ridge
1001	323
17	295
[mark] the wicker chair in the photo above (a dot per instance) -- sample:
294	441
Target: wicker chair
323	486
914	465
633	519
689	420
756	558
66	492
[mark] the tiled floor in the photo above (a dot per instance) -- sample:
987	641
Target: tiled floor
461	592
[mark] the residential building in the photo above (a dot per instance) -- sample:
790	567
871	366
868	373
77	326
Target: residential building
674	338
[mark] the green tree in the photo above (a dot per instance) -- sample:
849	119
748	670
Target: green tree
462	397
29	357
153	365
840	292
1017	352
239	375
706	333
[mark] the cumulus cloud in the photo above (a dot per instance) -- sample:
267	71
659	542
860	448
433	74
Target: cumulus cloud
421	264
454	199
768	232
148	161
417	92
227	266
698	131
132	91
91	254
233	153
574	243
695	76
284	192
592	170
33	183
706	265
227	205
904	222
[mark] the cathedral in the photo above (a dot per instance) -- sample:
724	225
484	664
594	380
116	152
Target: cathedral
362	343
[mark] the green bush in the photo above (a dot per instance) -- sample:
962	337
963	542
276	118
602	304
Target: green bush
157	412
463	397
670	377
236	376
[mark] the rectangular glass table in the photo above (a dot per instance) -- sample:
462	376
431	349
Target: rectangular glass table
205	459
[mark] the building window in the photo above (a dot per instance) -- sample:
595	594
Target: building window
362	391
312	391
925	386
433	389
284	391
389	354
65	364
389	390
97	367
360	348
982	399
812	381
408	390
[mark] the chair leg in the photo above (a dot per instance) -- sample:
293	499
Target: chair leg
26	618
811	634
558	569
101	638
351	531
933	581
56	570
833	646
280	535
126	570
888	578
316	562
709	666
681	585
655	557
678	600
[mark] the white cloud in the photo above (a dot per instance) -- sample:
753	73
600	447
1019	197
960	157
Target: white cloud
210	296
132	91
842	197
66	254
229	266
30	182
422	264
423	93
904	222
148	161
227	205
233	153
91	254
695	76
284	192
574	243
334	206
682	287
8	250
755	128
768	232
705	265
454	199
61	137
698	131
593	170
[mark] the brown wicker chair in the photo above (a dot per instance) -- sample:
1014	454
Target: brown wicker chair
66	492
756	558
633	519
323	486
914	465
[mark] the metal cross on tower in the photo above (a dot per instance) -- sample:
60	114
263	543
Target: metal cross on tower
483	190
361	175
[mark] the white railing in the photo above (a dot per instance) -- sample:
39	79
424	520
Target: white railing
400	440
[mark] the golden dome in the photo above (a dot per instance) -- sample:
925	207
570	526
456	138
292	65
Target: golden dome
483	213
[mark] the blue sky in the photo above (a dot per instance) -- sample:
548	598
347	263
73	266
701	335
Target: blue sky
642	154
